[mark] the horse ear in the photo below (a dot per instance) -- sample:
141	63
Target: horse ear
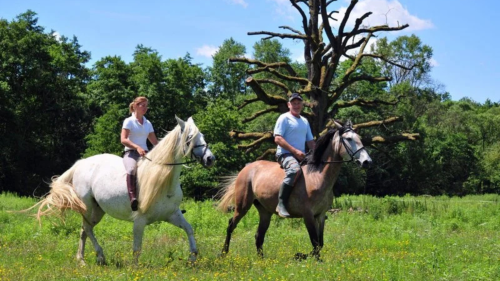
348	124
190	119
180	122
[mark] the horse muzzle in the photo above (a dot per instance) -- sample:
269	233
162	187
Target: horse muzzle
364	164
208	161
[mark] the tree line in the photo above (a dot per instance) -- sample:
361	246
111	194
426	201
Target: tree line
54	110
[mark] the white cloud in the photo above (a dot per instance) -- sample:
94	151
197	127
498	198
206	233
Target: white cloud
433	62
239	2
387	12
56	35
390	12
207	51
285	9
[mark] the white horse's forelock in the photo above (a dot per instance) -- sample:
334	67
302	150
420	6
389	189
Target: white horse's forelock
156	175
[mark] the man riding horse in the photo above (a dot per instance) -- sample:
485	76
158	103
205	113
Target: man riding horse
291	133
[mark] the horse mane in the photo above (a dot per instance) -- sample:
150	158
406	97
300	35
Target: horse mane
155	175
314	161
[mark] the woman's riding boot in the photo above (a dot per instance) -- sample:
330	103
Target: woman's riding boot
131	181
284	194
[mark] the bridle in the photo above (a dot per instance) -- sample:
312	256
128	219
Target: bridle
188	143
347	148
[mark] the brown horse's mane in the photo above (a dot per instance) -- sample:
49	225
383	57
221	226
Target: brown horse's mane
314	162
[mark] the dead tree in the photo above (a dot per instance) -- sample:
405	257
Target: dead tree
322	58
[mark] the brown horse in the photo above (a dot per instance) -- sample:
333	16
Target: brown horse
312	195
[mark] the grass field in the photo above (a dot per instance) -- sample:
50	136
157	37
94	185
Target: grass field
366	238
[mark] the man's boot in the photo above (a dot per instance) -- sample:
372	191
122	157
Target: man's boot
284	194
131	182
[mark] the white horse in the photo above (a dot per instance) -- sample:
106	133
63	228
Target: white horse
96	186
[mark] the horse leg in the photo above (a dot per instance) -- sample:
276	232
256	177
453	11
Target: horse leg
88	231
177	219
81	247
240	211
139	225
312	229
264	221
321	229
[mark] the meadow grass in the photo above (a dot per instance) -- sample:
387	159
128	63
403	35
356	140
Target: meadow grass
366	238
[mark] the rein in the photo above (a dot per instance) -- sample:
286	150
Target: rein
182	163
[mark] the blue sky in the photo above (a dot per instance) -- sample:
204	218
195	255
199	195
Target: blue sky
466	62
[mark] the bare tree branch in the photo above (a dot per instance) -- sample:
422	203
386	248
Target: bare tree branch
260	113
278	65
291	29
379	28
363	103
346	17
389	61
377	123
303	15
259	139
280	75
391	139
247	102
389	120
270	151
274	82
274	34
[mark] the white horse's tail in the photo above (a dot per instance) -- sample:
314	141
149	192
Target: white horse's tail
61	197
227	194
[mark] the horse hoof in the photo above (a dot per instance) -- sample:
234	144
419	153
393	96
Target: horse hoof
101	261
222	254
82	263
300	256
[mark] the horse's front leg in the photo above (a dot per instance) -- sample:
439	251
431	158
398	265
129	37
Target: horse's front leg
139	225
177	219
320	220
312	229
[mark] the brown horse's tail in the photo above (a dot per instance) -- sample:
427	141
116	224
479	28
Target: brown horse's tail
61	197
226	194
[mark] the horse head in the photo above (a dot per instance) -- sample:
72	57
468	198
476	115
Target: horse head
195	142
352	148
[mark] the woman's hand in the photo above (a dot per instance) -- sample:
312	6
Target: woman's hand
141	151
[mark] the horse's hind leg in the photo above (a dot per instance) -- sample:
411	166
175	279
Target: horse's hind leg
139	225
177	219
264	221
240	211
88	231
80	255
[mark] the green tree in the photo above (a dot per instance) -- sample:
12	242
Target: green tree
105	136
111	83
410	53
214	122
43	111
226	79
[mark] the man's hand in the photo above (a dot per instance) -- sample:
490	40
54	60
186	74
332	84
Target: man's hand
299	155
